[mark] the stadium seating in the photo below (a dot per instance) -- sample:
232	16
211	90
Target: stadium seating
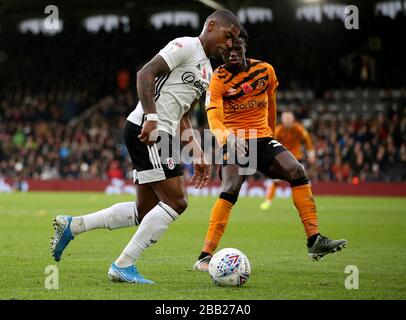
62	105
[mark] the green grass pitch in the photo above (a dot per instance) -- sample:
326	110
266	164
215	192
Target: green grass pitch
274	242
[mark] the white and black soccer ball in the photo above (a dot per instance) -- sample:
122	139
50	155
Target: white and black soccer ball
229	267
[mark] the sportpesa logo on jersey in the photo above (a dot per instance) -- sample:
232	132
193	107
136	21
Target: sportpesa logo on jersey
189	77
248	105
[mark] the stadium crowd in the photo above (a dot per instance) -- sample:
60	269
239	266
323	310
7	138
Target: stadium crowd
63	105
359	148
40	140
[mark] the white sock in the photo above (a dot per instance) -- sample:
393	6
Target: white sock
117	216
151	229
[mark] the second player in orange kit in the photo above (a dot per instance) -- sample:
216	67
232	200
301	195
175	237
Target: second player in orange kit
241	111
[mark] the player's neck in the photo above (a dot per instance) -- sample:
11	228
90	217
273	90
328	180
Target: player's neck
245	65
204	44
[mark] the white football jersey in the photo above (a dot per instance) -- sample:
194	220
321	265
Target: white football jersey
189	77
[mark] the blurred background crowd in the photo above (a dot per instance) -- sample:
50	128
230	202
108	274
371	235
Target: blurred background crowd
64	98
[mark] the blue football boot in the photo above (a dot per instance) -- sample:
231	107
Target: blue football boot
129	274
62	236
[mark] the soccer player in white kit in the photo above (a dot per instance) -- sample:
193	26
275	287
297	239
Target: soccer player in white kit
168	87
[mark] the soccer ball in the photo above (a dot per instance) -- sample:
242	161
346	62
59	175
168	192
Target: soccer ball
229	268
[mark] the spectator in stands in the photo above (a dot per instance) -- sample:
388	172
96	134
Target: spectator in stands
115	171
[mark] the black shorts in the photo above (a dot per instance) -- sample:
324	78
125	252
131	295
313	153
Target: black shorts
259	157
152	163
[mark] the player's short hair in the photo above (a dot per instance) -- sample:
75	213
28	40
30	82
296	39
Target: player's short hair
243	34
225	16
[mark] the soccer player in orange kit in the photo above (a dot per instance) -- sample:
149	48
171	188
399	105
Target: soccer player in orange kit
292	135
242	96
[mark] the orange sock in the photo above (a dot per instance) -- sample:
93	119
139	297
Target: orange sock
218	222
270	194
304	203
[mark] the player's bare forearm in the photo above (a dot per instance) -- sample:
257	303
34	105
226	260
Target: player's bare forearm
202	170
145	89
186	124
146	82
216	124
272	113
185	121
197	149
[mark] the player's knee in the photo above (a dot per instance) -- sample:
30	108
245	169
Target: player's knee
296	172
232	187
179	204
230	190
300	178
299	171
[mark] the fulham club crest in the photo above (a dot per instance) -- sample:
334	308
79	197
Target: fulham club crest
170	163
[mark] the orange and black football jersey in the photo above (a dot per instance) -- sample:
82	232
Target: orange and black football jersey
293	138
244	98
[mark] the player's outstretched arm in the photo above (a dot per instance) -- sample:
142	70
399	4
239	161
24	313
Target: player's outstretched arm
215	118
272	112
273	85
146	91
